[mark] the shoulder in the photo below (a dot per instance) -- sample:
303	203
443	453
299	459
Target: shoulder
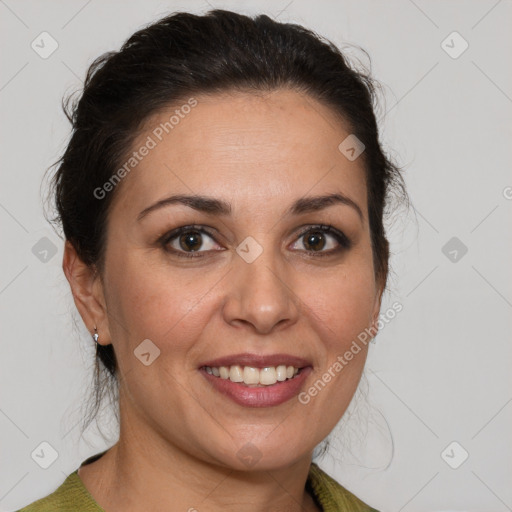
71	496
332	496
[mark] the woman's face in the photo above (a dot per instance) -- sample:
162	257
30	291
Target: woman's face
255	281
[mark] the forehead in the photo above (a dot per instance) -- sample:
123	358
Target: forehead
264	146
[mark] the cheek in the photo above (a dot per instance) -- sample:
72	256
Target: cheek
343	304
341	311
150	302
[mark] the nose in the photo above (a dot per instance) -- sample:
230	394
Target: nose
261	296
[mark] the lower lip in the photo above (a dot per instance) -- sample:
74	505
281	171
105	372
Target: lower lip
261	396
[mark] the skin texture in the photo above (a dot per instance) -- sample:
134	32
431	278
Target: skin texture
179	436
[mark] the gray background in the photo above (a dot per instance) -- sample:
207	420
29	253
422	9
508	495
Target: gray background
438	373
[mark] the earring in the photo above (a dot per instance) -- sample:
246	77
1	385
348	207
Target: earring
95	336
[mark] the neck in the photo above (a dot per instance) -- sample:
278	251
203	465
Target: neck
161	477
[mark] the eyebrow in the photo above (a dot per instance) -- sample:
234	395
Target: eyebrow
313	204
219	207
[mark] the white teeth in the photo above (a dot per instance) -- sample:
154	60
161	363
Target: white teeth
251	375
236	374
281	372
268	376
254	376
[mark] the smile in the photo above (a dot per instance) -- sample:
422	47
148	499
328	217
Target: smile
254	377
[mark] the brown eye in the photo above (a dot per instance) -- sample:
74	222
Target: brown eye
191	241
314	241
323	240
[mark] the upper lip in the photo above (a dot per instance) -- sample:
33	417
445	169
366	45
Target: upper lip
257	360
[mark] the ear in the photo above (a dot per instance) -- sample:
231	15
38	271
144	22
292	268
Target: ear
87	289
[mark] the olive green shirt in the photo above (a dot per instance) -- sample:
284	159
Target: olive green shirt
72	496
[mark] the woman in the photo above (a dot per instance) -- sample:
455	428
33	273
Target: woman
222	198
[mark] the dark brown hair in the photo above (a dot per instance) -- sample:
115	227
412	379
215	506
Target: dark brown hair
185	54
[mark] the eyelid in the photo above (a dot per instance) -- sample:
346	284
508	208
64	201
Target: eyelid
167	237
343	240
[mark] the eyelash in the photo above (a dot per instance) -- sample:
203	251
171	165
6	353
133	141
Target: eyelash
344	242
